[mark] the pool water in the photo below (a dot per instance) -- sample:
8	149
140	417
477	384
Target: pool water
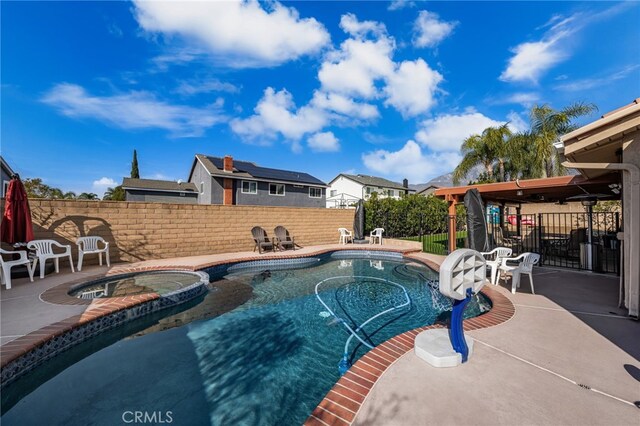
139	283
259	349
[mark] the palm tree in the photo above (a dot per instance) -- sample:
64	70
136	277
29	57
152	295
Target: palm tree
69	195
88	196
114	194
547	125
487	149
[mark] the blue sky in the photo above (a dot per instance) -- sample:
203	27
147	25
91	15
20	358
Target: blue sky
383	88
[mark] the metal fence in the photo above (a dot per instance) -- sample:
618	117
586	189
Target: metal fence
568	240
584	241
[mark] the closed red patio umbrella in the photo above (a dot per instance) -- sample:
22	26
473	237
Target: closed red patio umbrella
16	219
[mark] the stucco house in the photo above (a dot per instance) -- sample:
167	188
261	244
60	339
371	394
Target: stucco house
345	190
228	181
7	172
159	191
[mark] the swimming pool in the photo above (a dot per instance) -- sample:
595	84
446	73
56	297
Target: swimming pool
259	348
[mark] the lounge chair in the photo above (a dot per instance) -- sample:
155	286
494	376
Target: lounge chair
345	236
261	239
89	245
44	251
494	260
6	266
283	238
524	266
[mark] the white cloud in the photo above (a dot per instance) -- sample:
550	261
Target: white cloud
100	186
534	58
324	142
516	123
589	83
243	33
429	30
353	69
410	162
344	105
447	132
133	110
276	113
411	88
401	4
526	99
194	87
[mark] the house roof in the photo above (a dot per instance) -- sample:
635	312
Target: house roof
374	181
428	187
6	167
600	141
248	170
159	185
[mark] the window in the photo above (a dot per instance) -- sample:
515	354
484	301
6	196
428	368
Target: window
391	193
315	192
5	188
368	190
334	192
202	187
276	189
249	187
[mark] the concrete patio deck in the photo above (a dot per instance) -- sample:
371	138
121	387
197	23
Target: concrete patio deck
525	371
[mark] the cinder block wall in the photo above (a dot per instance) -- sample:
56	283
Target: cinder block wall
141	231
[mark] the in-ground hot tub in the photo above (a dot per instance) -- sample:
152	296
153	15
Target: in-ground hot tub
160	282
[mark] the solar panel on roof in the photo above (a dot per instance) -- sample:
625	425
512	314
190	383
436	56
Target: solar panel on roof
267	173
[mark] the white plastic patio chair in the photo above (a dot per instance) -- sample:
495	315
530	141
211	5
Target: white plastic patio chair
89	245
345	236
494	260
44	251
6	266
376	236
524	266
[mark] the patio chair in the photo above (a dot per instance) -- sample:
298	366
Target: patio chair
283	238
261	239
376	236
345	236
494	260
6	265
44	251
89	245
524	266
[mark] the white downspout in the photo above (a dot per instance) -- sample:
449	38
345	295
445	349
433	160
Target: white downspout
632	227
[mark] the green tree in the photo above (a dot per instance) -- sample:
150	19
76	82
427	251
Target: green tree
36	188
135	173
547	125
114	194
488	149
88	196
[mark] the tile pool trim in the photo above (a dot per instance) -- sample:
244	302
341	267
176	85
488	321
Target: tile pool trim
341	403
26	353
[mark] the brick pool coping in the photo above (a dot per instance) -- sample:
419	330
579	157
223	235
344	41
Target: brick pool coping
100	308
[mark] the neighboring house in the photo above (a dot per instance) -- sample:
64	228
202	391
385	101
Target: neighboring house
346	190
159	191
228	181
429	190
7	172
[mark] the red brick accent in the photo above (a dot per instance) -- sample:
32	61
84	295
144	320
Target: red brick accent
228	192
227	163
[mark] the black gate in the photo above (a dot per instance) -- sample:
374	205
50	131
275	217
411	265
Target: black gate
568	240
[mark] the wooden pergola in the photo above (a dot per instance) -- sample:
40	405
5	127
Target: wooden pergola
518	192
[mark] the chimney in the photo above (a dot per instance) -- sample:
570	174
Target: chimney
405	183
227	164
